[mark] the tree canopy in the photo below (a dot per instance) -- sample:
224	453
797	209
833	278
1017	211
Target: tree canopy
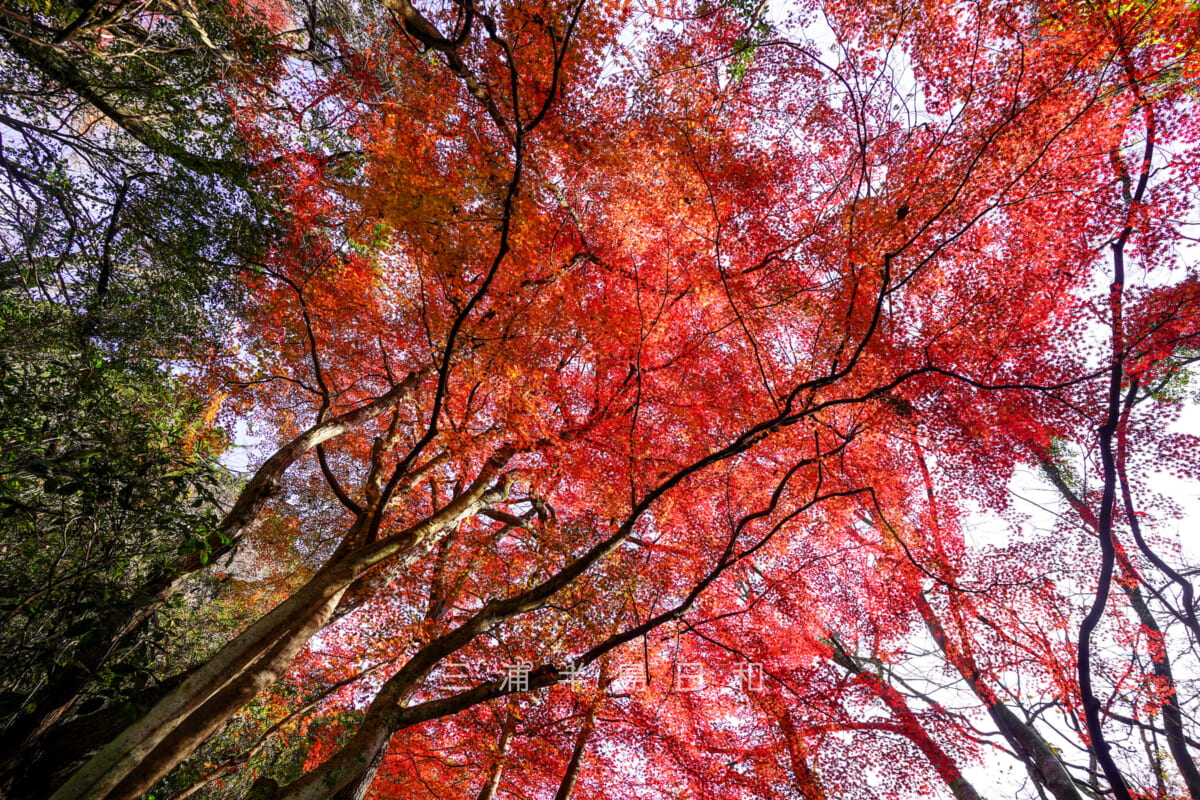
674	399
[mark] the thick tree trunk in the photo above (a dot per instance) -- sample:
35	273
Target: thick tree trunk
361	786
35	771
59	698
217	711
143	753
148	749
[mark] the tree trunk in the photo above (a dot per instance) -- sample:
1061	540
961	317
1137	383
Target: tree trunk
145	751
58	699
567	786
942	763
1161	661
1040	761
804	777
488	790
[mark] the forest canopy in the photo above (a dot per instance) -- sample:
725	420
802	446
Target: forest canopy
599	398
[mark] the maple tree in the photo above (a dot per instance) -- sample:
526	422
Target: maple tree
615	346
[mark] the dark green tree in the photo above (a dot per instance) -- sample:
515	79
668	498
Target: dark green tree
128	210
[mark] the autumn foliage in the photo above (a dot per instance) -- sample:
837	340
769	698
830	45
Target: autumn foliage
697	400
